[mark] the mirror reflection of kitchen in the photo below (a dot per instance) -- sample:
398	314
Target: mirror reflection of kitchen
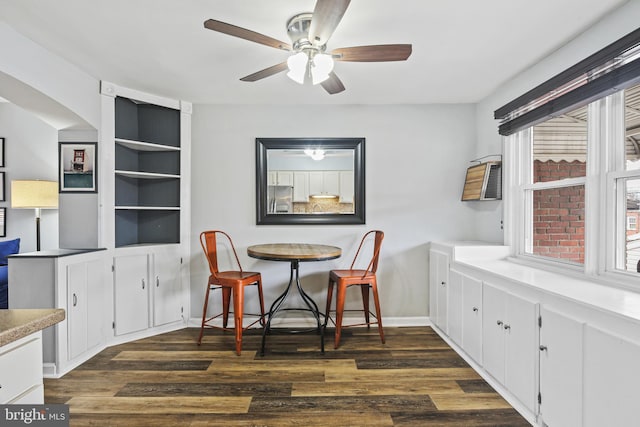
310	181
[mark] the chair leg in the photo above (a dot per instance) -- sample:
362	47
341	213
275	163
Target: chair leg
238	304
260	295
328	307
376	301
226	297
204	313
340	297
365	303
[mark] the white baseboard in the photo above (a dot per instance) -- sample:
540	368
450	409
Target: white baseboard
305	322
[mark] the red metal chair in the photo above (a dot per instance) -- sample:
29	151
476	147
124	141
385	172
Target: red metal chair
231	282
365	279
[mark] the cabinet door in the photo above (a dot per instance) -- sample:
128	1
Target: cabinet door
285	178
272	178
167	289
493	319
77	325
439	273
316	182
521	349
301	187
454	306
560	369
131	293
331	182
472	317
347	186
611	372
95	302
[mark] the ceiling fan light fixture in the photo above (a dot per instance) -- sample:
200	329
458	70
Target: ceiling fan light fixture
297	67
321	65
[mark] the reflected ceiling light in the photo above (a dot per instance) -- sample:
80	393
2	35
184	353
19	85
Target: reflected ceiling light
315	154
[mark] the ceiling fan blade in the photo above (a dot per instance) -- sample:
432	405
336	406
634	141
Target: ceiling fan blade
373	53
333	84
243	33
267	72
326	17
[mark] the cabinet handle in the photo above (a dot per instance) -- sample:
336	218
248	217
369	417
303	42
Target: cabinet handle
475	309
507	326
142	283
75	300
543	348
499	323
157	282
443	283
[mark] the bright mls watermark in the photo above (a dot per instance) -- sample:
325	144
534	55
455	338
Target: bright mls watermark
34	415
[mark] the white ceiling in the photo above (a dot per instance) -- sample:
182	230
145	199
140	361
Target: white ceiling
462	49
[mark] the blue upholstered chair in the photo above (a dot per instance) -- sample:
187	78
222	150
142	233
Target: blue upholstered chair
8	247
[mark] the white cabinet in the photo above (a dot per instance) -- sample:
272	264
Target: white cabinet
472	317
148	289
438	288
561	352
454	306
21	371
280	178
301	186
167	289
509	342
324	183
131	285
347	186
75	281
85	285
611	373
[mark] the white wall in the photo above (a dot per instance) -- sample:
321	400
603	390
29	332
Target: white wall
612	27
30	153
416	157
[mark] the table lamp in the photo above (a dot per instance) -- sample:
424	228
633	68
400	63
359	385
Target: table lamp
34	194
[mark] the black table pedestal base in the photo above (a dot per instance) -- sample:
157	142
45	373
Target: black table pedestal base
311	306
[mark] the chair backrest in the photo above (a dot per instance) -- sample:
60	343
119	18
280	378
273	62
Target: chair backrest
373	264
209	243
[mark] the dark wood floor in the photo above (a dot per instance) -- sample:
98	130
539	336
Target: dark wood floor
414	379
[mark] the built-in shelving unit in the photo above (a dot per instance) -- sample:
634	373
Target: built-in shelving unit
147	173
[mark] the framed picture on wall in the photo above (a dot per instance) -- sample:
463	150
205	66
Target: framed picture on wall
3	222
2	153
2	187
77	162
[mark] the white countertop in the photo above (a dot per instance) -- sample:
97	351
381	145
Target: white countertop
494	260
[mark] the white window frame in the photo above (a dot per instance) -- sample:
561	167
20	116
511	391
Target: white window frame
632	223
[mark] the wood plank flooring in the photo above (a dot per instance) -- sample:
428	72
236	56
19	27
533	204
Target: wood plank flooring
414	379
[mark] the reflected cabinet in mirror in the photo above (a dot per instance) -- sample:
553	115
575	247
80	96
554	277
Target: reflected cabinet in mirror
310	181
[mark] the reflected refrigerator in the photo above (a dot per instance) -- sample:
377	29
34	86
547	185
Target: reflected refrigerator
280	199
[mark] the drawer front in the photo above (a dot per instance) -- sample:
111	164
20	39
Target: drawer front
20	367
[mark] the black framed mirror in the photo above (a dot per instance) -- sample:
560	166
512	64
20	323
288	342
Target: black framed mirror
310	181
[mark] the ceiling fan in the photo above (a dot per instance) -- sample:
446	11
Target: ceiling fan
309	33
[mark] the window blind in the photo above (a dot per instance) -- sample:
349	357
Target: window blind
613	68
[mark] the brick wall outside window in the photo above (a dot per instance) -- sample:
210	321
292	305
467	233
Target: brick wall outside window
558	213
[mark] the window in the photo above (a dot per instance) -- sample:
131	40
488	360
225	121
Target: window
556	188
627	184
572	167
579	186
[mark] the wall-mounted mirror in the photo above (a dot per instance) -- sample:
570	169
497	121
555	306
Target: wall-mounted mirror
310	181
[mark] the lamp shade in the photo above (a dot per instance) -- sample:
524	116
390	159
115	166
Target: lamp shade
31	194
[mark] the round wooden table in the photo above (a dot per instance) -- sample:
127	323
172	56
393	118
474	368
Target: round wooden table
295	253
